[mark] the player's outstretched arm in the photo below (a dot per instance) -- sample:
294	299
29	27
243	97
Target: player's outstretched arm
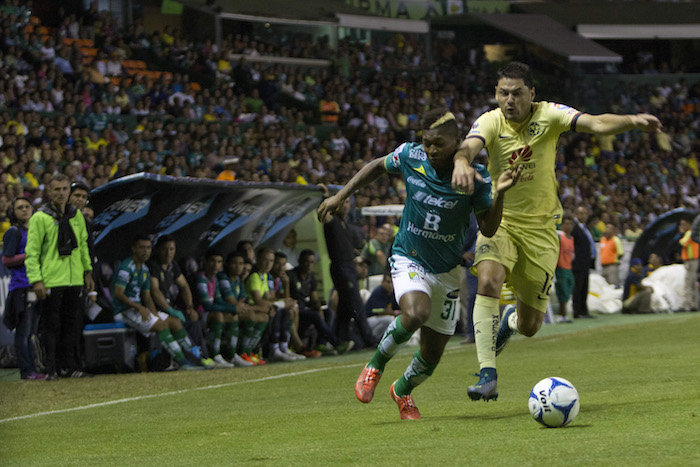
490	219
364	176
463	174
612	124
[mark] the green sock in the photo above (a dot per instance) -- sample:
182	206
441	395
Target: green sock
171	346
418	371
216	329
257	335
248	331
232	331
183	339
394	336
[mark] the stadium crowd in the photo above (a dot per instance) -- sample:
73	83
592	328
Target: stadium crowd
75	99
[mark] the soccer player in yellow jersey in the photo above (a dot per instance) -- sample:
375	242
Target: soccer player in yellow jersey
525	248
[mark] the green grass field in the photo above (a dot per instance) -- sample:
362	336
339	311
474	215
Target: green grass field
638	378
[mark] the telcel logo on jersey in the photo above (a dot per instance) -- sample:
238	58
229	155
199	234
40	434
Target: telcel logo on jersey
436	201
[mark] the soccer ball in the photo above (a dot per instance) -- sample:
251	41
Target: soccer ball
554	402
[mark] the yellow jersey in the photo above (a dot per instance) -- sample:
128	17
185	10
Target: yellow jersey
534	201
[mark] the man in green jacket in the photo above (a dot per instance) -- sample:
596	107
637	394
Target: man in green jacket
58	265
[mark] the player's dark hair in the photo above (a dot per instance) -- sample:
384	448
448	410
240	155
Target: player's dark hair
305	253
163	239
11	214
79	186
517	70
234	254
139	237
212	252
279	254
433	116
242	243
566	217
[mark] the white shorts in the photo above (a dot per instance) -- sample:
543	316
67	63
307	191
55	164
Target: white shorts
133	319
443	290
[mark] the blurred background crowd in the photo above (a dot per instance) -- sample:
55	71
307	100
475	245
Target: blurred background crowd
82	95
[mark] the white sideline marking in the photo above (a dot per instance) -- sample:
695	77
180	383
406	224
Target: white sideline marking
182	391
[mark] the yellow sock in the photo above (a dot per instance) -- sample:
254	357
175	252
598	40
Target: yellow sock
486	321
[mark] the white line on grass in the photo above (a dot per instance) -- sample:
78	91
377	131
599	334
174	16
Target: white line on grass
182	391
170	393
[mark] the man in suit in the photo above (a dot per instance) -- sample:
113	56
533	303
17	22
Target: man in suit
584	261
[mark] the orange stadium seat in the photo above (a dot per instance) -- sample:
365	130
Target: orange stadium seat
88	51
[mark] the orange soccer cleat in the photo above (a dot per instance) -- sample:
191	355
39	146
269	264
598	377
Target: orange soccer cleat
257	359
367	383
407	409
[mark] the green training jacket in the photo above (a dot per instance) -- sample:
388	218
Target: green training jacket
42	260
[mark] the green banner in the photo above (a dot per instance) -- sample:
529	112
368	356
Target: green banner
171	7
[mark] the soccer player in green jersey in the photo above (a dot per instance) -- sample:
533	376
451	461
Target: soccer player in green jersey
427	250
522	133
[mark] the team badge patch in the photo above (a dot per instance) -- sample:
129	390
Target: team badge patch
483	249
534	129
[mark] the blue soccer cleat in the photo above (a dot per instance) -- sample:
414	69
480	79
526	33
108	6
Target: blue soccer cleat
504	331
486	388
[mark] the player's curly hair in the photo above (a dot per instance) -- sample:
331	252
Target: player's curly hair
517	70
440	117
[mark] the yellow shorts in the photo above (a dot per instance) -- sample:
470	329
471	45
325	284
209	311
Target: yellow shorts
529	256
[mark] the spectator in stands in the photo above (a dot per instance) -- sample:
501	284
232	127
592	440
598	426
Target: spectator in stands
58	265
610	254
171	294
564	284
289	248
381	307
132	304
690	254
219	312
636	298
5	222
21	312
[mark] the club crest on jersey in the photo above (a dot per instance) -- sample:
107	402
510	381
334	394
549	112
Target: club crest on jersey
534	129
412	275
